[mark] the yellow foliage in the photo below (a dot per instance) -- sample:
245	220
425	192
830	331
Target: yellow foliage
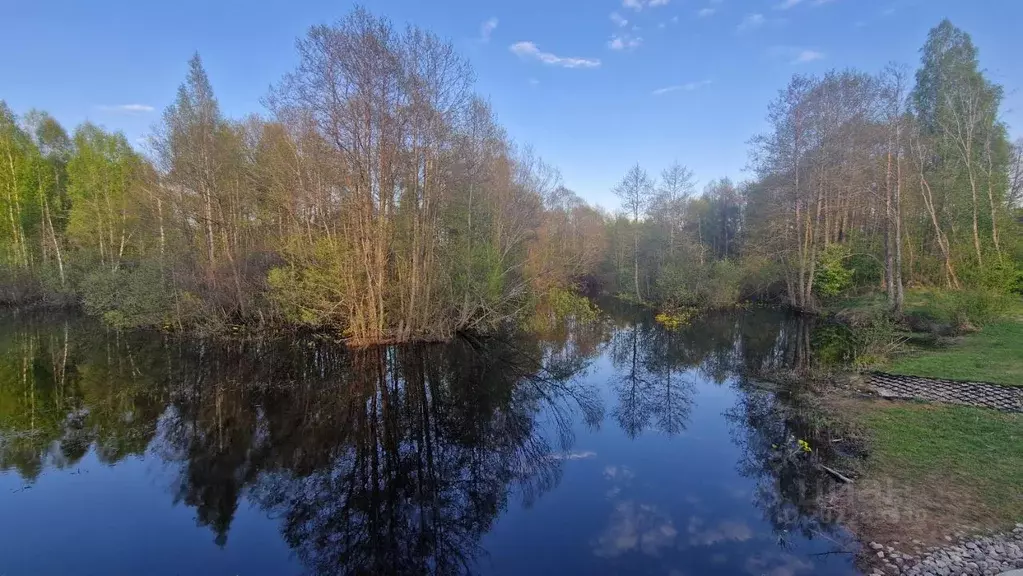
674	320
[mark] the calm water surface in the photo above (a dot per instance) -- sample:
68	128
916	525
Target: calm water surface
614	447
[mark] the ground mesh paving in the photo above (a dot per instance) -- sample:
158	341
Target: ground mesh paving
982	394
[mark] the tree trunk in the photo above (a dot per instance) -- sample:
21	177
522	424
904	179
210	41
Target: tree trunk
897	304
635	257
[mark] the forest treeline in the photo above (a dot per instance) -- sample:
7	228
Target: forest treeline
862	182
379	197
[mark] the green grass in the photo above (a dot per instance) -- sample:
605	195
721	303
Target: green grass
992	354
978	452
995	354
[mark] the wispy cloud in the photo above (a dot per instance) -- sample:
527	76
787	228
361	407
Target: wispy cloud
534	82
795	54
126	108
624	42
638	5
530	50
687	87
705	12
487	28
751	22
618	20
805	56
787	4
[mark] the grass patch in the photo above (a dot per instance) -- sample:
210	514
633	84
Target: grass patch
991	352
930	470
995	354
976	453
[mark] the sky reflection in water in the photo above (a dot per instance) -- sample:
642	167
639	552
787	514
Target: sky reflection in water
614	447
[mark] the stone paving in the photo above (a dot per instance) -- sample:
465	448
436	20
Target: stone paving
997	554
982	394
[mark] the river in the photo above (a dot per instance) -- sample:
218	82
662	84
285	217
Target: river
609	447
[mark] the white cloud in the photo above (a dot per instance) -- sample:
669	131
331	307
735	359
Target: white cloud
530	50
127	108
751	22
687	87
638	5
805	56
534	82
787	4
573	455
634	528
705	12
618	20
624	42
487	28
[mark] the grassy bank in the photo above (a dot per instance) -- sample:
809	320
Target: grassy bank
939	469
993	354
952	335
951	455
933	470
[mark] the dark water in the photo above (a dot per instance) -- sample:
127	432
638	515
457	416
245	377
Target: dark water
616	447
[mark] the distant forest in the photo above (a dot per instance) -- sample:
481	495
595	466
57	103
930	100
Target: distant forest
378	198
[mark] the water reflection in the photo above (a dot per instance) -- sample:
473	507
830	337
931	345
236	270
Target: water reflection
401	459
791	488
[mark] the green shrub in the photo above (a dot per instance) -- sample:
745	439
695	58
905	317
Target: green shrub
714	285
969	309
876	340
723	286
128	297
832	276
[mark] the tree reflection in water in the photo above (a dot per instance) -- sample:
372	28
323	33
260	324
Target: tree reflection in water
393	459
380	460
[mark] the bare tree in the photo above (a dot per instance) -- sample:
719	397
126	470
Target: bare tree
635	191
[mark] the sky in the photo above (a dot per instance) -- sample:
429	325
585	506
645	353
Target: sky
594	86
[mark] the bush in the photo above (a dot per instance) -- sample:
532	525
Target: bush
832	277
876	340
969	309
725	282
128	297
715	285
558	305
39	286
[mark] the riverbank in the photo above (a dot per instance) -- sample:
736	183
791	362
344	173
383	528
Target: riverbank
938	489
927	475
972	336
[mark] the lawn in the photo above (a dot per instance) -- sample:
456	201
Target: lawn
967	460
994	354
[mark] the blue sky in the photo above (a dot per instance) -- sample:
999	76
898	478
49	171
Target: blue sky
593	85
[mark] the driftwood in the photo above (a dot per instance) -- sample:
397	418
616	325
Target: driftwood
838	475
